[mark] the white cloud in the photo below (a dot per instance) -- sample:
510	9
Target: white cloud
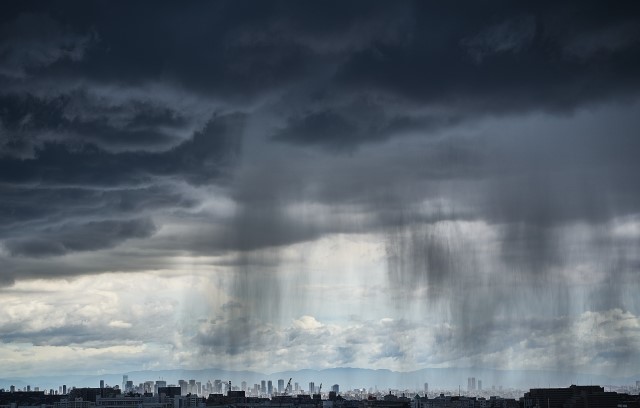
119	324
47	321
307	323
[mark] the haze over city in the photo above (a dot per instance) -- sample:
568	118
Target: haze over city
274	186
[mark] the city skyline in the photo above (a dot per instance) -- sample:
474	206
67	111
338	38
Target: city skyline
215	394
278	186
574	396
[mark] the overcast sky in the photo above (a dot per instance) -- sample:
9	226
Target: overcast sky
282	185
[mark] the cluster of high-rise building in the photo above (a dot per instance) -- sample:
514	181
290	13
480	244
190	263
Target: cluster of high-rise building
473	385
265	388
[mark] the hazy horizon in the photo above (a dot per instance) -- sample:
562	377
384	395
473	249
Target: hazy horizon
279	185
495	382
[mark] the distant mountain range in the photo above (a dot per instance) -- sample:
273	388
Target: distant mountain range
347	378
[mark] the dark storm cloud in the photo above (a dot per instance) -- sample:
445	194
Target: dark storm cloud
492	59
194	46
202	158
23	207
29	121
83	237
449	67
94	193
510	36
345	127
423	69
501	58
496	57
34	41
516	118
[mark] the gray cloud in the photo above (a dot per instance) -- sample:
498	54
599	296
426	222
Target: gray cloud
78	117
511	36
204	157
84	237
345	127
35	41
492	153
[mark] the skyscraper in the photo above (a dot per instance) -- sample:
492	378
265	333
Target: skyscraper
280	386
312	388
159	383
270	387
479	385
125	378
335	388
426	388
263	387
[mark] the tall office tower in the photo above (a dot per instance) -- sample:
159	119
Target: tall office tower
473	383
199	387
426	388
101	384
64	389
192	387
468	384
296	387
125	378
479	385
280	386
183	386
263	387
335	388
59	389
217	386
243	386
159	383
312	388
